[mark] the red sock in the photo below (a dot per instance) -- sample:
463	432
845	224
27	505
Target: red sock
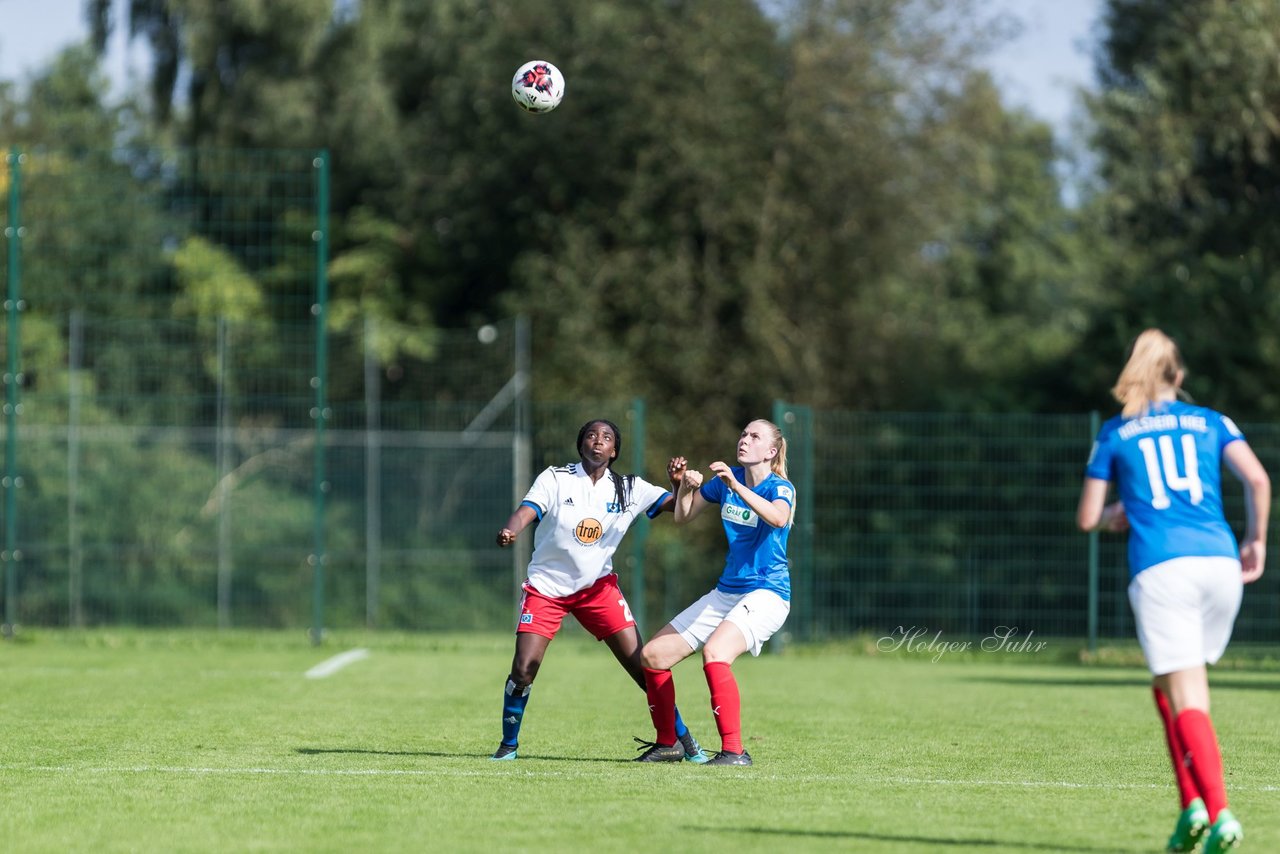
726	705
1187	791
661	691
1195	734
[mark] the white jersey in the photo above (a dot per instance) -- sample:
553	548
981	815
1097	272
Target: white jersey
580	526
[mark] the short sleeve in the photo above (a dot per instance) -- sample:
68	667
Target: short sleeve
1229	432
541	496
1099	463
647	496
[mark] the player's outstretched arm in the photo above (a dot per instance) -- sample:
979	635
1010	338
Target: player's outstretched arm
517	522
689	501
675	473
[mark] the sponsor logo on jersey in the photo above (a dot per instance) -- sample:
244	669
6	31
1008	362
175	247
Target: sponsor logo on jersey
588	531
785	492
568	502
739	515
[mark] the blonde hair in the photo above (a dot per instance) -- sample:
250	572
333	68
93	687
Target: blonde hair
776	440
1154	365
779	462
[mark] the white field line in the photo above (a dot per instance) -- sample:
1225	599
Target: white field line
505	769
330	666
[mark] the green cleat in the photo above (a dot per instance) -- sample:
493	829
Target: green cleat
1225	834
693	751
1192	824
505	752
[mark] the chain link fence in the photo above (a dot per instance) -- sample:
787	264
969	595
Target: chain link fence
197	434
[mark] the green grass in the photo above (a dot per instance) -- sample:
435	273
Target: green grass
136	741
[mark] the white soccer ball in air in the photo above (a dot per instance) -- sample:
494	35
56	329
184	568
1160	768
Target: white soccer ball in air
538	86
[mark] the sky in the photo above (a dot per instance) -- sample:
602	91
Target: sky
1039	70
33	31
1042	68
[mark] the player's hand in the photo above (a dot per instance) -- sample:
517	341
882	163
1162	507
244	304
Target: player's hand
724	472
691	480
506	537
1253	556
1114	518
675	470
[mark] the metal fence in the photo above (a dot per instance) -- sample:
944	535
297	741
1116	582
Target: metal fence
194	436
965	524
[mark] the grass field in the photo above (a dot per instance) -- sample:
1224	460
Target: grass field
183	741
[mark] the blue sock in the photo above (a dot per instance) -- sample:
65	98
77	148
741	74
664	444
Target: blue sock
681	729
513	703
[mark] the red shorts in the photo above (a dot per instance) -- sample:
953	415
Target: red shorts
601	609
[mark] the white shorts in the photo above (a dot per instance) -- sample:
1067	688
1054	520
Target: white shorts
758	615
1185	609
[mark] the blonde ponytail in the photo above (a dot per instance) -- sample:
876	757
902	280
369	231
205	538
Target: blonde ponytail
1154	365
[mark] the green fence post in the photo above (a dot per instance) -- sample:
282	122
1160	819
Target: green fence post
320	412
796	423
641	532
1093	560
12	380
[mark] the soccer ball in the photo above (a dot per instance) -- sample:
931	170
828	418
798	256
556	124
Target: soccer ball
538	86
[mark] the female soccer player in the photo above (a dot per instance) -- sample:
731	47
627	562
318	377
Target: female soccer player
749	603
583	510
1186	570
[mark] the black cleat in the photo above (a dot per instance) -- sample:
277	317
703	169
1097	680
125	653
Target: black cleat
504	751
724	757
660	752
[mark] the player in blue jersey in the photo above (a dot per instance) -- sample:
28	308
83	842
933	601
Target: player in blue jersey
1186	570
751	600
583	510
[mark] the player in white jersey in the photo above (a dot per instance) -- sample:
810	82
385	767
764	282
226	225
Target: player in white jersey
583	510
1186	570
750	601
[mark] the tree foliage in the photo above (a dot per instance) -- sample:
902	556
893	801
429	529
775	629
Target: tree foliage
1186	136
824	201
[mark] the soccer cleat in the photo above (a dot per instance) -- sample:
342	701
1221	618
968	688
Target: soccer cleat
1225	834
1192	824
724	757
504	751
693	751
659	752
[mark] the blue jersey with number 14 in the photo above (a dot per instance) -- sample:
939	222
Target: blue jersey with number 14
1167	466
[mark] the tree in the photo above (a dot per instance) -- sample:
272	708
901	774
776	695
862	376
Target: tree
1186	134
726	200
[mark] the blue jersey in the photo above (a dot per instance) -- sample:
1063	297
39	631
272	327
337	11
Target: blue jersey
757	551
1167	466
